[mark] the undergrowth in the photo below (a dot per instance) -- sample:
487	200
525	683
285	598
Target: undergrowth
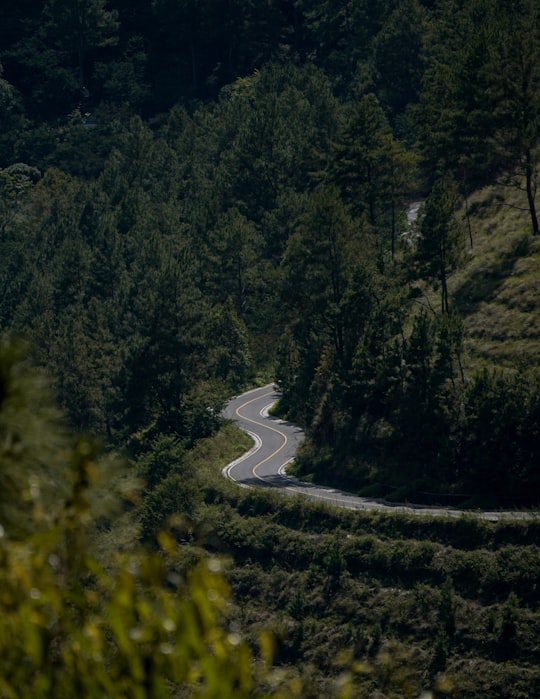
436	601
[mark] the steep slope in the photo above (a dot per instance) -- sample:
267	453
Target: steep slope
497	291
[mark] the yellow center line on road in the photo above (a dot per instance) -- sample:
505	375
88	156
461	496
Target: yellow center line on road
334	498
262	424
338	498
318	496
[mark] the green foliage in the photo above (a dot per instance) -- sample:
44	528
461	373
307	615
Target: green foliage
280	121
68	626
342	36
410	578
33	464
440	652
144	627
397	55
135	631
373	170
447	608
509	625
125	81
455	119
441	242
501	412
164	454
318	265
11	118
173	488
176	495
15	180
516	83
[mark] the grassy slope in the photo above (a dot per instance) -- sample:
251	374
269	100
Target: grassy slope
328	582
497	291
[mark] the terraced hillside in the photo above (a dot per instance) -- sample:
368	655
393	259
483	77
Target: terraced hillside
497	291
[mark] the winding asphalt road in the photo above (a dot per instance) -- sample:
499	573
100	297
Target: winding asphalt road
275	440
275	443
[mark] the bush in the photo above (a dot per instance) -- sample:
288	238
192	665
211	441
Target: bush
175	495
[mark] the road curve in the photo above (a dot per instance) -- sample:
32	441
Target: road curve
274	446
275	441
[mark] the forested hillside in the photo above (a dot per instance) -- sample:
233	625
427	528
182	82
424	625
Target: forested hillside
199	195
197	192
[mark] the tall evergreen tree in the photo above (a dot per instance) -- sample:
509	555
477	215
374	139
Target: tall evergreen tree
233	266
515	78
455	117
373	170
341	35
77	28
440	244
398	60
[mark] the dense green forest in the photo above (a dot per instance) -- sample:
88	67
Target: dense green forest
196	196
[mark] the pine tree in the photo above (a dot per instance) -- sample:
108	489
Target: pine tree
372	169
440	244
515	86
78	27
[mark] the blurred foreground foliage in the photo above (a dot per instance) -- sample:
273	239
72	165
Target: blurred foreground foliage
68	627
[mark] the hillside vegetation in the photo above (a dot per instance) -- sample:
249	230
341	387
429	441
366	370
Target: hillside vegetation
442	603
497	289
197	196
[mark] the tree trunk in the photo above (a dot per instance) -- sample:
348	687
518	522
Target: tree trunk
80	45
531	191
444	293
393	232
443	276
194	65
467	216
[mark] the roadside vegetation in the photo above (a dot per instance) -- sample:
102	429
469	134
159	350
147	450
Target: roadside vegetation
391	604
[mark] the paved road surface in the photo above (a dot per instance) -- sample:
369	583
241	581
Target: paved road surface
275	440
274	447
